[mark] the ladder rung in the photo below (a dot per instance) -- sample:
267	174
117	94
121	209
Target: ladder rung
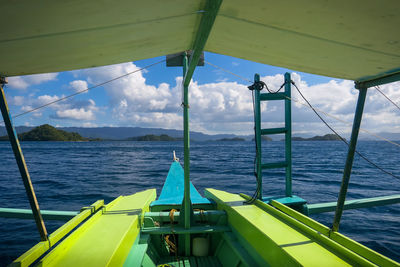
274	165
273	131
269	96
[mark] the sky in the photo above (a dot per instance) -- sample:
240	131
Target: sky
219	101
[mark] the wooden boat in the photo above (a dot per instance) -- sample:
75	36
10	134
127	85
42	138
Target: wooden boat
354	40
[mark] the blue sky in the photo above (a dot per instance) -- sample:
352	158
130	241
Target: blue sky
220	102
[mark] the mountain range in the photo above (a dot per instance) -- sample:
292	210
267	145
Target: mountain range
120	133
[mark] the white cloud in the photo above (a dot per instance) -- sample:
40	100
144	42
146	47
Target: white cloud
132	99
17	82
23	82
75	114
78	85
227	106
78	110
16	100
72	109
45	99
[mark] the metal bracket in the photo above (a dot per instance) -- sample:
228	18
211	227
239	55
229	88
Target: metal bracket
3	80
394	77
257	85
176	60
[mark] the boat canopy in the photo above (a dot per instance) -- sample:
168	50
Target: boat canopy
357	40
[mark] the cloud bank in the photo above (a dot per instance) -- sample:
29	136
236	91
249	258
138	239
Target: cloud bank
219	107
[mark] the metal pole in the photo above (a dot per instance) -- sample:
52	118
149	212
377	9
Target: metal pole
350	157
186	148
19	157
186	145
288	134
257	124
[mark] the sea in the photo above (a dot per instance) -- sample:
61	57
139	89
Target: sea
70	175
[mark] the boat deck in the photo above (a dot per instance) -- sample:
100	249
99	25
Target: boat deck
106	238
277	239
173	191
190	261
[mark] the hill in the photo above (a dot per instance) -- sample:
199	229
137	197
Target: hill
232	139
152	137
327	137
264	138
47	132
124	133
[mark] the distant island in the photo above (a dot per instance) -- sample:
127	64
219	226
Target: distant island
47	132
123	133
232	139
152	137
327	137
265	138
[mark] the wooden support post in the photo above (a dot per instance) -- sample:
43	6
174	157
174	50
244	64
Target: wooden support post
187	205
19	157
257	125
350	157
206	23
288	135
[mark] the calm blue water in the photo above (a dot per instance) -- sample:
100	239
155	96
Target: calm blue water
69	175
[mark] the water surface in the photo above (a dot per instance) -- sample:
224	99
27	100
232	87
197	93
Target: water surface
70	175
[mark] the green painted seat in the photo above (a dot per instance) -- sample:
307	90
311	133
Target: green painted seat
106	238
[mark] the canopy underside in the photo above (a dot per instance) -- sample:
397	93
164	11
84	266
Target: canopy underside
355	40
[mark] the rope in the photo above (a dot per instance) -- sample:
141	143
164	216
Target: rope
332	116
172	245
254	196
234	74
341	138
343	121
319	110
390	100
87	89
261	85
202	218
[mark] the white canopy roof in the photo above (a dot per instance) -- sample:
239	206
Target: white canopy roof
356	40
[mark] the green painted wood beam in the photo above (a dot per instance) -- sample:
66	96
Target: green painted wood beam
186	148
273	131
319	233
262	226
354	204
207	215
239	250
56	215
181	230
268	96
350	158
207	21
75	221
378	81
257	129
138	251
186	208
288	134
348	243
39	249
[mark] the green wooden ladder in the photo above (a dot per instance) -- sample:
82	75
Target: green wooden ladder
287	130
